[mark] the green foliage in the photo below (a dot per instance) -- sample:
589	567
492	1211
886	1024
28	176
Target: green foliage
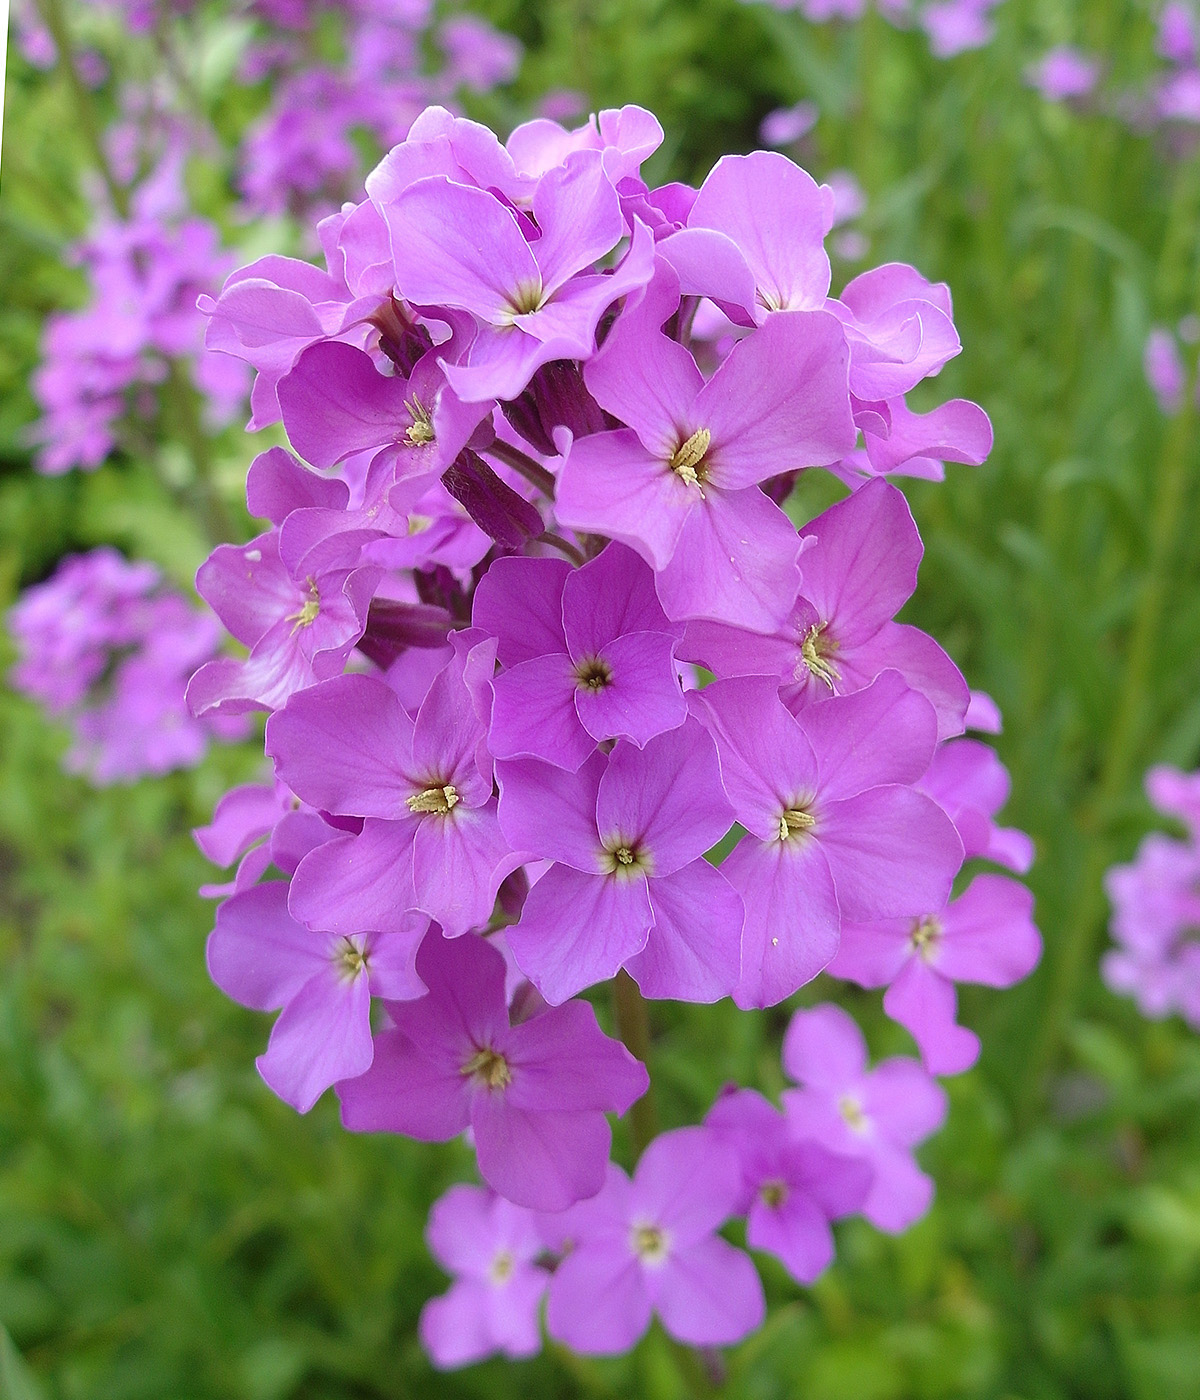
168	1230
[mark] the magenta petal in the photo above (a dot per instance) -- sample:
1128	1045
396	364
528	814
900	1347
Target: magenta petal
735	561
926	1005
780	401
579	215
392	962
323	1035
710	264
519	601
454	1328
778	216
459	862
611	596
404	1092
767	762
873	953
988	933
535	714
891	851
694	951
958	431
551	813
796	1232
449	732
576	930
689	1182
708	1294
824	1047
903	1101
597	1302
562	1060
453	245
610	484
258	954
883	734
358	882
335	403
545	1160
345	746
926	667
668	796
792	918
643	697
901	1192
513	1312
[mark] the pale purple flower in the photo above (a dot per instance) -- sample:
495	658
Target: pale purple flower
491	1248
1163	366
791	1189
986	935
877	1114
534	1093
787	125
1178	38
834	829
969	782
429	840
629	887
477	56
858	568
648	1246
679	482
1063	73
588	655
323	983
956	26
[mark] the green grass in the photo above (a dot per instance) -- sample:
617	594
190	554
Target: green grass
169	1231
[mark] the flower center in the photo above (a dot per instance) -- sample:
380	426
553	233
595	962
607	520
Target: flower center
438	801
650	1243
925	937
349	959
593	674
502	1267
815	651
687	461
793	821
528	300
420	433
624	858
489	1068
773	1193
851	1110
311	610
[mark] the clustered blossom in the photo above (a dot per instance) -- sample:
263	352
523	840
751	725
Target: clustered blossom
1164	365
952	26
104	364
1156	908
106	645
558	693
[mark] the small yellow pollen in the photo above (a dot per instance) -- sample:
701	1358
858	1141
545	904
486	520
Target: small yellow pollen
439	801
815	651
773	1193
925	936
311	610
420	433
650	1243
350	959
489	1068
502	1267
418	524
624	855
795	819
528	300
689	457
594	674
851	1110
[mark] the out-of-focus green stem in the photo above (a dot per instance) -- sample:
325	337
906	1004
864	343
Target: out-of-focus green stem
633	1026
204	498
55	19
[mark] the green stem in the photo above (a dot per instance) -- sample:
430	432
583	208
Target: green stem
203	495
88	118
633	1026
564	547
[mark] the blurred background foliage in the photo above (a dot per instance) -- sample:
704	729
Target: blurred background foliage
167	1229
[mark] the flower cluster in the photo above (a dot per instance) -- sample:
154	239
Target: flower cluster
559	693
107	645
952	26
1164	364
1156	908
103	365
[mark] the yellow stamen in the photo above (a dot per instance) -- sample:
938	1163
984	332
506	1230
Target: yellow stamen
851	1110
311	610
815	650
689	457
793	820
420	433
436	800
650	1243
490	1068
924	938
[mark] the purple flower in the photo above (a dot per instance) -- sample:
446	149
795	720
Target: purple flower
859	568
955	26
587	653
1062	73
1164	370
791	1189
534	1094
986	935
490	1246
834	829
787	125
878	1115
649	1246
1178	36
679	482
429	839
970	784
629	887
261	957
